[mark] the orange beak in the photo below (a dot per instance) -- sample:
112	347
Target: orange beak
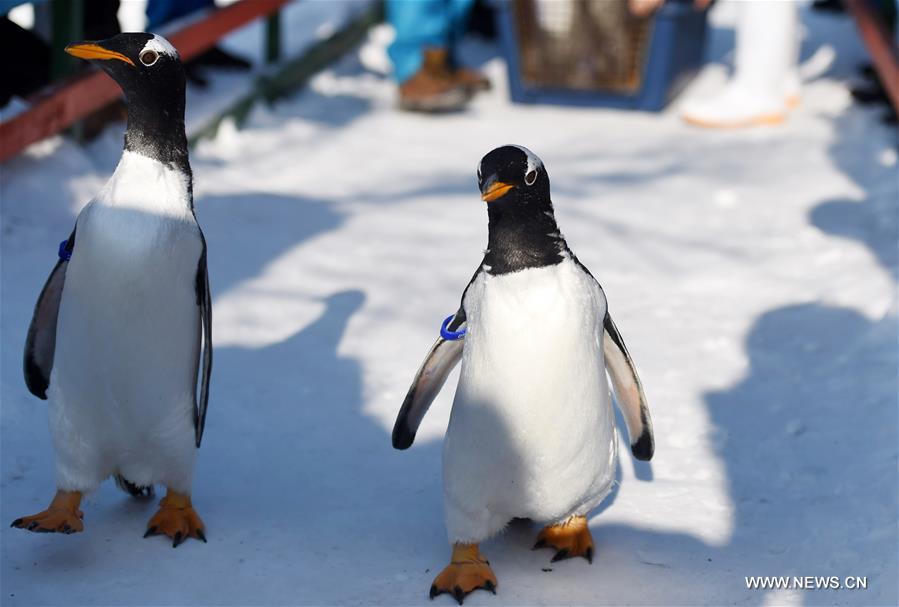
95	51
496	190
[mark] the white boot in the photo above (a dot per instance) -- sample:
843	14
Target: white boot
791	87
765	73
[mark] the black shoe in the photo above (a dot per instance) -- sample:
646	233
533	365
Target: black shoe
867	71
217	58
828	6
194	75
870	94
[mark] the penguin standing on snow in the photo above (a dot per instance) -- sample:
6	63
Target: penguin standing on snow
532	432
121	331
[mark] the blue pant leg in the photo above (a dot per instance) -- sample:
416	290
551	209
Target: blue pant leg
418	24
459	11
160	12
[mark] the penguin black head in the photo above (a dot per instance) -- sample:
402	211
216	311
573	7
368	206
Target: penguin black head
149	71
144	65
522	230
511	174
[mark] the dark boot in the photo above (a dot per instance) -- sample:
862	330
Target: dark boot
432	88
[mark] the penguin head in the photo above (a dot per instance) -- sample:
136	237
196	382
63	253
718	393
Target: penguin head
521	226
149	71
143	64
512	174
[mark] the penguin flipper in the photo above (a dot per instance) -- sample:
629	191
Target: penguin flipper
628	391
440	361
204	302
40	344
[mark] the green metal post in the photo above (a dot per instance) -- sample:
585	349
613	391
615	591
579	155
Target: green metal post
68	27
273	38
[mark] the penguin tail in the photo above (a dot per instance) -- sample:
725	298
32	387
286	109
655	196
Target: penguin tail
133	490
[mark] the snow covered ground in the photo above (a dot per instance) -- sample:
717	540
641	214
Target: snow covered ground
753	275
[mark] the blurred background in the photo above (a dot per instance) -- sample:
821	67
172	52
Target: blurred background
727	170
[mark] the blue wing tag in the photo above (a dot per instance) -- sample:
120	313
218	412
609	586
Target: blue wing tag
64	253
448	335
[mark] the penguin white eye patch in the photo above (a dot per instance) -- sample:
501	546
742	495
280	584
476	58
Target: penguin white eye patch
154	48
148	57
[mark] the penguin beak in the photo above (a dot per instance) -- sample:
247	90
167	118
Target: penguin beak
92	50
493	188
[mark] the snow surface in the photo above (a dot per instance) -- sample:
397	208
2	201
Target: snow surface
752	274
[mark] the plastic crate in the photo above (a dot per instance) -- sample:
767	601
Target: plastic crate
594	53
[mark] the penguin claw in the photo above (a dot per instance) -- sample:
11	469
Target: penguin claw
465	574
570	538
560	555
177	520
52	520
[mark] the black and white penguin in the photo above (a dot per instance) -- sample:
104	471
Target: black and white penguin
532	431
121	333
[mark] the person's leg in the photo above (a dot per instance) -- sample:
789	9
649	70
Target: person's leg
472	80
101	19
459	10
160	12
764	70
766	46
419	55
419	24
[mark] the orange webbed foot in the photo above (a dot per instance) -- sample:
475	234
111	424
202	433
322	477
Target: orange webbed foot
61	516
467	572
52	521
570	539
176	519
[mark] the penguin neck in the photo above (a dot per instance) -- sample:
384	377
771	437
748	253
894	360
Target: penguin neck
156	130
146	185
521	235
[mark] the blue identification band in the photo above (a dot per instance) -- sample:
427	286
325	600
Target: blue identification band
64	253
448	335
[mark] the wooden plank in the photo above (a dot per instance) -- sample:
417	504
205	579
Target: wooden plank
54	110
880	45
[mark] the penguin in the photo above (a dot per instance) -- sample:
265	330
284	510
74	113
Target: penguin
120	342
532	431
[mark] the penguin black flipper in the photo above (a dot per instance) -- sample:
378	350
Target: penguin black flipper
40	344
204	301
628	391
440	361
442	358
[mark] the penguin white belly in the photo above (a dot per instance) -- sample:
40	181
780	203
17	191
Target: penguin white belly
532	432
123	381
